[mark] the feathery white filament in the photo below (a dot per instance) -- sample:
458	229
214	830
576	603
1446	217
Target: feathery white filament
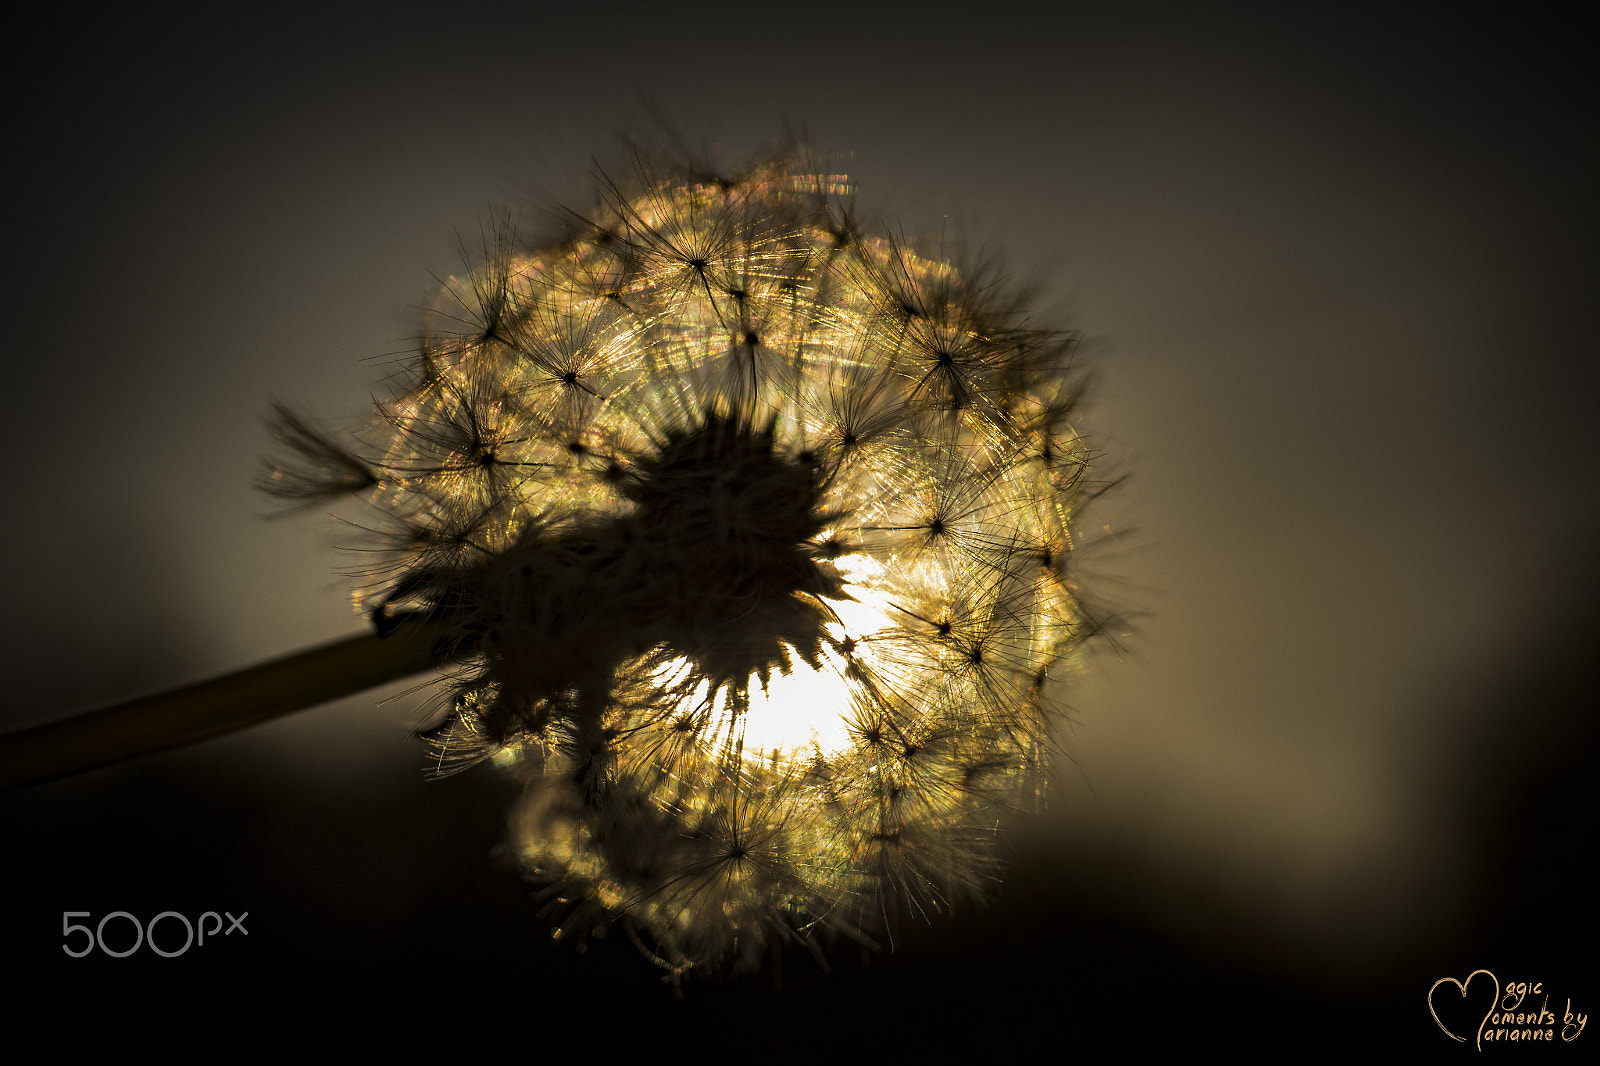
759	532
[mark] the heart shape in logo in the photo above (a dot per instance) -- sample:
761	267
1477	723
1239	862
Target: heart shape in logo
1457	1012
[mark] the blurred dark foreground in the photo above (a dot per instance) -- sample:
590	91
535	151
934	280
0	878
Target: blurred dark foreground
377	919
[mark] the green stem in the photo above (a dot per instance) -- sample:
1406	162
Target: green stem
220	705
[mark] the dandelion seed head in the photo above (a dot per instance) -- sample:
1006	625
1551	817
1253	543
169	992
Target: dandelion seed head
755	534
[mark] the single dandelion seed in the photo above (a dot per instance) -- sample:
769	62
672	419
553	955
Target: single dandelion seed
750	537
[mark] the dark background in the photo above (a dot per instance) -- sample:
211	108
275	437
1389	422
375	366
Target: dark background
1337	275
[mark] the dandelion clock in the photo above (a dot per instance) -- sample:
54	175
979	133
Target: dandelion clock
742	535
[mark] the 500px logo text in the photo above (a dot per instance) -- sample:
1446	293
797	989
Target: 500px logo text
145	934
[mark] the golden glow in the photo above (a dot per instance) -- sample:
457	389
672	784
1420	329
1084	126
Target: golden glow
890	423
806	712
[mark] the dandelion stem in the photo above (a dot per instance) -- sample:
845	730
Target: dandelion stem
216	706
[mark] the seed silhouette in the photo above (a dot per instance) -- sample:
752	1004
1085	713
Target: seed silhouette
799	443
